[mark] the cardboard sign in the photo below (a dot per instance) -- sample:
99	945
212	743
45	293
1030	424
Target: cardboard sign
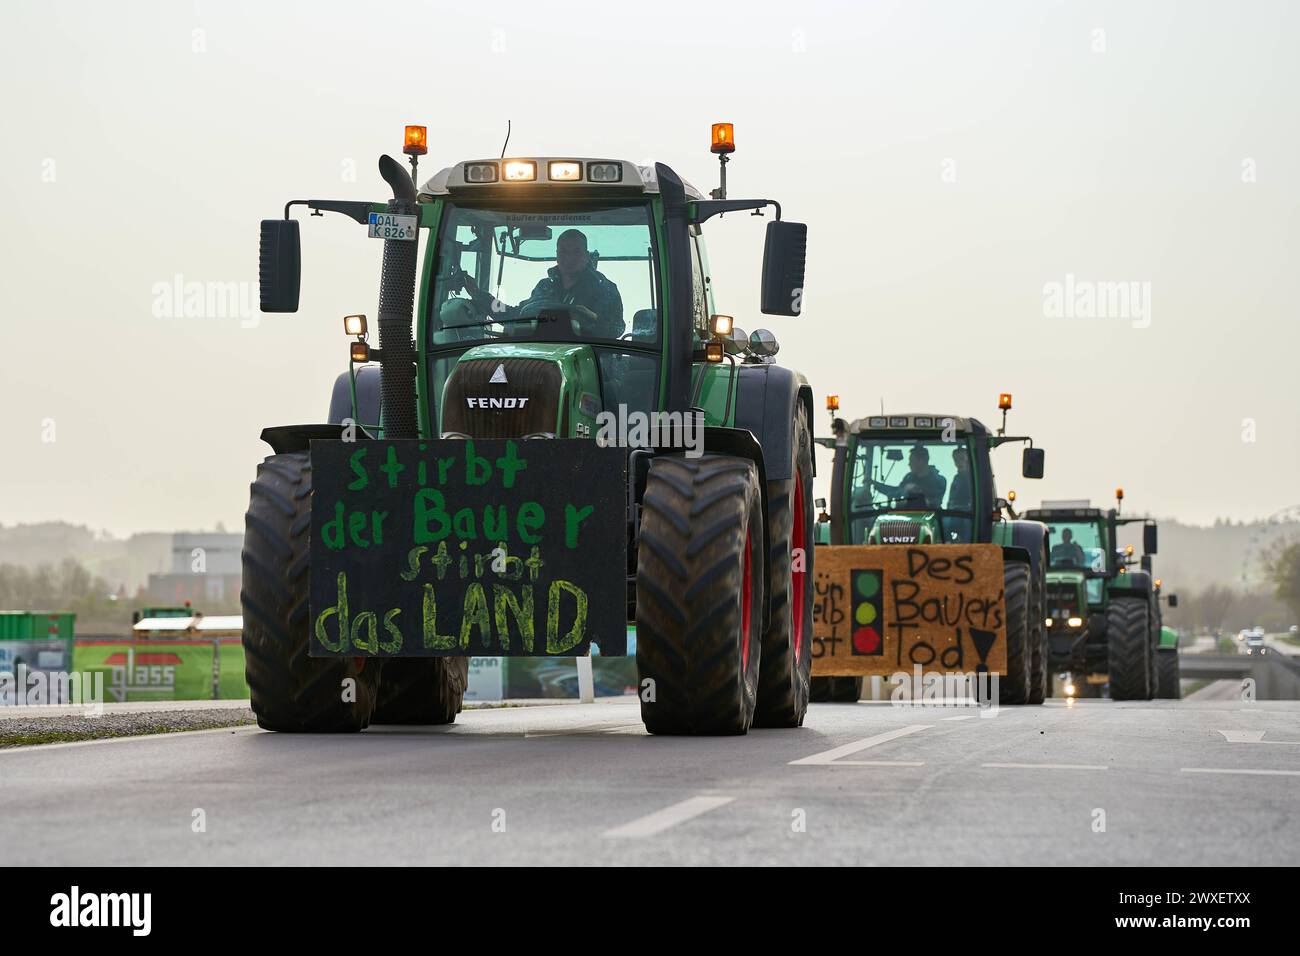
881	609
468	548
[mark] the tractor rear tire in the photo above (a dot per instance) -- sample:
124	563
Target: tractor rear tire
1128	648
700	593
1168	685
421	690
786	667
1039	665
290	691
836	690
1014	688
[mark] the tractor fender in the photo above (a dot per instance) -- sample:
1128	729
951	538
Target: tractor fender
1031	538
1017	555
367	410
284	439
1131	584
765	406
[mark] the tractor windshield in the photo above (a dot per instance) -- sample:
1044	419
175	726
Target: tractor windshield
897	473
533	274
1077	545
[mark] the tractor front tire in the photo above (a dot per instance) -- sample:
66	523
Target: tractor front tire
421	690
836	690
290	691
1168	684
786	666
1128	648
1014	688
700	590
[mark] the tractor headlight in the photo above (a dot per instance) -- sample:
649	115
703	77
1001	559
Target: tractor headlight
1075	622
519	171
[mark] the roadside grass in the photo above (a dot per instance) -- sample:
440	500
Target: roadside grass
28	732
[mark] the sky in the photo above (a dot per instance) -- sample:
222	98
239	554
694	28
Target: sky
971	174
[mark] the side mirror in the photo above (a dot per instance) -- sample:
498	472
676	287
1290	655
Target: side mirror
1173	600
1149	538
279	265
1031	462
785	252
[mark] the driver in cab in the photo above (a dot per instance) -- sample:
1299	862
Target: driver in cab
922	481
572	281
1068	551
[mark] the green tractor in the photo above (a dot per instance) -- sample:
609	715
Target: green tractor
1103	613
918	482
558	311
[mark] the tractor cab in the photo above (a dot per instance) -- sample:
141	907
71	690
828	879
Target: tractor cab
907	485
918	479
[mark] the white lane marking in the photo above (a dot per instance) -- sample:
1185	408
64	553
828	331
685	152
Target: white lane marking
1253	737
661	820
237	729
1267	773
962	717
880	763
831	756
1045	766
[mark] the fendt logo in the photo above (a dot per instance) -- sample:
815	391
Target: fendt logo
73	909
496	402
899	539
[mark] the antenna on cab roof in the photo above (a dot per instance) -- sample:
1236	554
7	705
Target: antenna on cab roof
507	142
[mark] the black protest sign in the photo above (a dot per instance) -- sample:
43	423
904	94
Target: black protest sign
881	609
468	548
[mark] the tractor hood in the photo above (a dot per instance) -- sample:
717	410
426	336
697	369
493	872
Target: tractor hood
522	390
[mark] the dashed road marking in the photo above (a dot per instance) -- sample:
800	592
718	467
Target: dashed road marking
962	717
1266	773
1045	766
668	817
833	756
1253	737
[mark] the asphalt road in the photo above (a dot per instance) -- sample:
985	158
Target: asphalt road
1173	782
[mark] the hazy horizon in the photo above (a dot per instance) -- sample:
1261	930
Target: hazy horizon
965	171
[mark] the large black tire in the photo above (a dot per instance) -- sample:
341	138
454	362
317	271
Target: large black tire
1014	687
290	691
1168	684
1128	648
785	670
836	690
699	595
1039	663
421	690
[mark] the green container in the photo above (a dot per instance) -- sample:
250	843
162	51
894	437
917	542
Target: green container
36	625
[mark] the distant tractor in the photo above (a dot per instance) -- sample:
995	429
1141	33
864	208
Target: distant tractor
913	497
1103	613
510	469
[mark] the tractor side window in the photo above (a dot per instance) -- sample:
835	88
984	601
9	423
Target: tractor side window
699	305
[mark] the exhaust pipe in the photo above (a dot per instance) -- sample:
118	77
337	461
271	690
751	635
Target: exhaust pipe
396	307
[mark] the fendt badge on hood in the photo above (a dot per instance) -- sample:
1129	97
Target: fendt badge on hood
496	402
499	376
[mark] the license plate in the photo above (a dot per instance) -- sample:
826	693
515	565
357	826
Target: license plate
387	226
